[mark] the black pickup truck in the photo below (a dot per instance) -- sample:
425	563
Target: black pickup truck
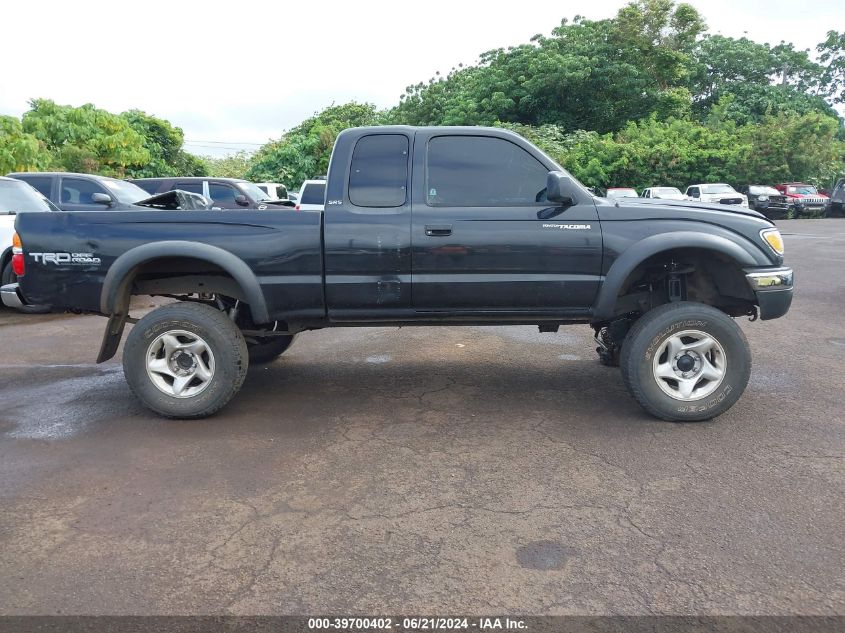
422	226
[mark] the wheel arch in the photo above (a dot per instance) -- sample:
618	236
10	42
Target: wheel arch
638	253
117	285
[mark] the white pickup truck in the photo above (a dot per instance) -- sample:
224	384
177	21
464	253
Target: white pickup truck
717	192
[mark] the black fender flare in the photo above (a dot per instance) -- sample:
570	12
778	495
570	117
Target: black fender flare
120	273
654	244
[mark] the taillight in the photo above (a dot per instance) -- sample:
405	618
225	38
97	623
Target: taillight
17	255
297	208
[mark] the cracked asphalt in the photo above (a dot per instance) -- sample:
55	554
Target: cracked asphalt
444	470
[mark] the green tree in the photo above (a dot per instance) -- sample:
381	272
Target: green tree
85	138
832	58
20	151
588	74
304	151
232	166
163	142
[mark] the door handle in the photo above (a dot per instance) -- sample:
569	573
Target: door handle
438	230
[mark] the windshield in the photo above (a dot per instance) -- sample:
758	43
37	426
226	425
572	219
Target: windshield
621	193
254	191
669	193
127	192
805	190
19	197
720	188
763	191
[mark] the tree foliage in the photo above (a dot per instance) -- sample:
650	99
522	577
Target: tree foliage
163	142
304	151
232	166
91	140
19	151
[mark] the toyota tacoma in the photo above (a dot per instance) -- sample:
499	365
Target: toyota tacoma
421	226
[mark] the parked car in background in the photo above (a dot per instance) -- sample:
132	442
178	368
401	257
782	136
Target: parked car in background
312	196
664	193
17	197
717	192
614	193
804	198
293	196
84	192
837	199
224	193
276	190
767	200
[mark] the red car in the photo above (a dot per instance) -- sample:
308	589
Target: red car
804	198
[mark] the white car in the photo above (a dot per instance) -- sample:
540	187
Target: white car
664	193
16	197
276	190
718	193
312	196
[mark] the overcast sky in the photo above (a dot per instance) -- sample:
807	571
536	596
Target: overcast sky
235	74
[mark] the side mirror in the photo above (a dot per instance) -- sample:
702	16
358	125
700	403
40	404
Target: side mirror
560	188
242	200
101	198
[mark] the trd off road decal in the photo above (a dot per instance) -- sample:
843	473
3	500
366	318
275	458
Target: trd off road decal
66	259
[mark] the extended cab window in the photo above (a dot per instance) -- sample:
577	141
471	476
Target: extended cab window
379	173
482	171
42	183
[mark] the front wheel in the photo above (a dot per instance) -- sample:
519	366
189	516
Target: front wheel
185	360
685	362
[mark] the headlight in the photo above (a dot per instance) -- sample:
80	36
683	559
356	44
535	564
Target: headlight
773	238
762	198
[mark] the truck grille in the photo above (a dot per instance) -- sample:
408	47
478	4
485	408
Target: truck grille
730	201
812	201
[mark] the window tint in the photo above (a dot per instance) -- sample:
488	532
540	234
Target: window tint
379	173
42	183
313	193
221	194
78	191
481	171
193	187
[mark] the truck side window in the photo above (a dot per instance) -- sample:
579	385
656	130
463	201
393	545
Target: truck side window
482	171
79	191
193	187
378	176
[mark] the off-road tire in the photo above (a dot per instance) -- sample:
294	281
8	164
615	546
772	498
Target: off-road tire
268	349
215	329
648	336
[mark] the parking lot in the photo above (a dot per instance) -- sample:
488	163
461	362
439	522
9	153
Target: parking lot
430	470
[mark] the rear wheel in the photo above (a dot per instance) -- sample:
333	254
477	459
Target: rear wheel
265	350
185	360
685	361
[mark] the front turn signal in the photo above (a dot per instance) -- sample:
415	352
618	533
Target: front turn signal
774	239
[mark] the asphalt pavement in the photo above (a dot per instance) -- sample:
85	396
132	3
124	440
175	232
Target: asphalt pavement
470	470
